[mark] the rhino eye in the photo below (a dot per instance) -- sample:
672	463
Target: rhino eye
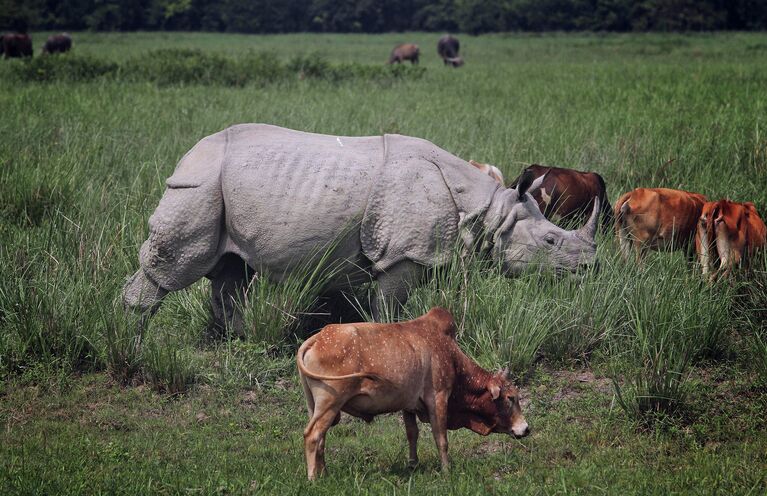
550	240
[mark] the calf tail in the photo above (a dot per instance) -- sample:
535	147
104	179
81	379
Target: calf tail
306	373
622	210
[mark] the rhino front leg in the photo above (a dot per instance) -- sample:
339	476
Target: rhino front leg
393	289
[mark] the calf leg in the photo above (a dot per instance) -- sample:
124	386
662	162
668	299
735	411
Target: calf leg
411	428
394	286
438	421
326	412
624	240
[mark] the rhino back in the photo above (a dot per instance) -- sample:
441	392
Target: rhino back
288	193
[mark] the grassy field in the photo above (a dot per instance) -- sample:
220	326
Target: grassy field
636	380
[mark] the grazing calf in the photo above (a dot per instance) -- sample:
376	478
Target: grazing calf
729	233
407	51
569	194
58	43
415	367
657	218
489	170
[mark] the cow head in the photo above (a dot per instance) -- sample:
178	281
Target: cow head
496	409
505	396
521	235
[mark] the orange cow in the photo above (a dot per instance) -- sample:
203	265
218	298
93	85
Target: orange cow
415	367
657	218
728	234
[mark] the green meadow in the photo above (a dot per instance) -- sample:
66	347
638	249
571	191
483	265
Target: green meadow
636	379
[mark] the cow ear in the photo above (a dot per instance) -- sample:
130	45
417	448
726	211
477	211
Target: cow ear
495	390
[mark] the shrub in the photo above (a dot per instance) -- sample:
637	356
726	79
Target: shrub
173	66
72	68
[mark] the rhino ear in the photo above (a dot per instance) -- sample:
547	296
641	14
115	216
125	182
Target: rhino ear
524	183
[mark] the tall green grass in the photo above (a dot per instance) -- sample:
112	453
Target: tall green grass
86	148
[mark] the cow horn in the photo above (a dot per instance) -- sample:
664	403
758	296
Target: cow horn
590	229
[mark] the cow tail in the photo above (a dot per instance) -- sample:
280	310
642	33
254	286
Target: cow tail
622	209
306	373
607	209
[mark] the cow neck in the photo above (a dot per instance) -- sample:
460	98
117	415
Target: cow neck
472	379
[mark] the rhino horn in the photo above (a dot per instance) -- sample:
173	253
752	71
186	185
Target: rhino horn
590	229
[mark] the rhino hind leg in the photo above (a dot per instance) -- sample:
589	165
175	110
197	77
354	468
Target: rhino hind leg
229	282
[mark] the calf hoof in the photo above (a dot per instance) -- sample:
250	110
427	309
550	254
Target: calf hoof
411	464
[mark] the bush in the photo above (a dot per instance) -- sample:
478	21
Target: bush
72	68
174	66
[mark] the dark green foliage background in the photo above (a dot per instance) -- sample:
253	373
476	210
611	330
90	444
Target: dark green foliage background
370	16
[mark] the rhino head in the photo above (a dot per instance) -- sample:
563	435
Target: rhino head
521	235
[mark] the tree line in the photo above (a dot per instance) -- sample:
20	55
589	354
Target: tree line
375	16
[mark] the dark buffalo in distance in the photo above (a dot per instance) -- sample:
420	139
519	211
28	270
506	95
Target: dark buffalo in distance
447	48
58	43
16	45
569	194
407	51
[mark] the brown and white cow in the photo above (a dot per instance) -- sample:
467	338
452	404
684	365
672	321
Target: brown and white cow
658	219
728	234
489	170
16	45
568	194
415	367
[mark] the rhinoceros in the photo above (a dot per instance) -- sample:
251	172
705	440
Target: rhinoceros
269	197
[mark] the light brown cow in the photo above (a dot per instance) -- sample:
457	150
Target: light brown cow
407	51
489	170
658	219
415	367
729	233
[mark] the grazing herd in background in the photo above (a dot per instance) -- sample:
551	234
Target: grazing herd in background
447	48
15	45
